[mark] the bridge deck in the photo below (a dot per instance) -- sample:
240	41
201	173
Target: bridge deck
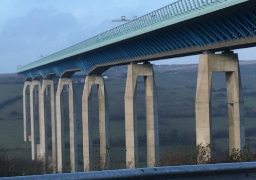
181	28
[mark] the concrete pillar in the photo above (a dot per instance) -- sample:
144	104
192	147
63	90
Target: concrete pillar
235	110
25	111
43	128
72	126
34	151
146	70
103	122
152	122
208	63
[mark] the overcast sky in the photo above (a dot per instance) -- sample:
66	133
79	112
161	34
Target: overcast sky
30	29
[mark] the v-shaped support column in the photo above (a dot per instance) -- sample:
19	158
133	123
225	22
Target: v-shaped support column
34	92
103	122
25	111
228	63
43	123
131	135
60	127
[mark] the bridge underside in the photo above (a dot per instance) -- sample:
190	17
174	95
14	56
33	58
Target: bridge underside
229	28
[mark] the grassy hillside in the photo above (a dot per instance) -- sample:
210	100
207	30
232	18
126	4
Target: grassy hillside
176	86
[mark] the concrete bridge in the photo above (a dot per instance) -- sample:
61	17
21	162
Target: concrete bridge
186	27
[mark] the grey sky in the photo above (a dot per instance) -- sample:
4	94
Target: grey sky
33	28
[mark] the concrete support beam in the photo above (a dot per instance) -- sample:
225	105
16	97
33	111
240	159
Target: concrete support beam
146	70
72	125
33	90
235	111
208	63
25	111
103	122
152	122
43	128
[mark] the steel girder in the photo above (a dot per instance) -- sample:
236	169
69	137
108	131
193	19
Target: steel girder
238	25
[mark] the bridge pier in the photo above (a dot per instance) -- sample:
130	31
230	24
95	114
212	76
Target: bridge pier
43	128
103	122
33	93
226	62
60	127
25	111
134	71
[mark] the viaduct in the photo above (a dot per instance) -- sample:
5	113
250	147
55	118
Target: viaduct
212	28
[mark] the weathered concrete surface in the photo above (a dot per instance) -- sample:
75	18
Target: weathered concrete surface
103	122
226	62
43	129
33	93
131	135
60	126
152	122
25	111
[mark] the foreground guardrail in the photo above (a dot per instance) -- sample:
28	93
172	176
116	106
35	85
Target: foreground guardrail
230	171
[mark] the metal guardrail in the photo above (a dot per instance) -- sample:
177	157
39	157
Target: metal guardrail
230	171
171	11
